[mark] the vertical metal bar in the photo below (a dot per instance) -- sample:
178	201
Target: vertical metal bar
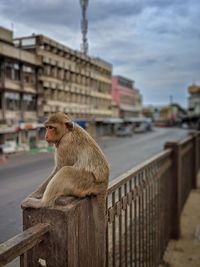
159	216
154	219
131	227
151	222
147	217
120	230
113	234
156	215
135	224
139	220
107	237
142	218
126	228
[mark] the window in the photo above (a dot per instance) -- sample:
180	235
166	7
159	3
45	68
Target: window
12	101
28	74
29	102
12	71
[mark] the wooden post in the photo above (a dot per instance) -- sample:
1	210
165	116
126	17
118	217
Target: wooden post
195	159
176	159
76	238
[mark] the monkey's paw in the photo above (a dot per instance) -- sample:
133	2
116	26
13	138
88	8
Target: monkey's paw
38	195
30	203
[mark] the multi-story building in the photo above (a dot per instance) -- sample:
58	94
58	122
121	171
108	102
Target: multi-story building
18	91
193	118
70	81
194	100
126	98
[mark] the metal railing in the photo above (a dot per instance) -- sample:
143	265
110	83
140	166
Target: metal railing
144	205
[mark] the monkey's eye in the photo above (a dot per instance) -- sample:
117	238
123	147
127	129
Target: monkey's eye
50	127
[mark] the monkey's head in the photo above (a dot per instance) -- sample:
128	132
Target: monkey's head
57	125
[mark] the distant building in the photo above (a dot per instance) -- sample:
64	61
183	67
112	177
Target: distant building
70	81
194	100
152	112
127	100
193	117
173	112
18	91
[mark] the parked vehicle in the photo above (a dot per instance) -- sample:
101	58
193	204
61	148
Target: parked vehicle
9	147
143	127
124	131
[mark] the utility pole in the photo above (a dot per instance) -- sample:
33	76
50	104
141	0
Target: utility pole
84	26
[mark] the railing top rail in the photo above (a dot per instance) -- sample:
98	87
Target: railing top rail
122	179
21	243
186	140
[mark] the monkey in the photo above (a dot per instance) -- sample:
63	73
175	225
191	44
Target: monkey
80	170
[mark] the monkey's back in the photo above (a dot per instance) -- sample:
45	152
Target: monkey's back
87	153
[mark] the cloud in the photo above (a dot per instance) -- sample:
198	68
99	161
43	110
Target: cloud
154	42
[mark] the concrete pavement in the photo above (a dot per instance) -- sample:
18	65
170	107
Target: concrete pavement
185	252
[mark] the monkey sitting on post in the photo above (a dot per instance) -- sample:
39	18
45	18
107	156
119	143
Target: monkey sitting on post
81	168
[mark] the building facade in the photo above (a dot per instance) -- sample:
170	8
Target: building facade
70	81
194	100
126	98
18	90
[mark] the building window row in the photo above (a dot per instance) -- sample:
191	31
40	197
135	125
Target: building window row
80	62
15	102
14	71
65	75
134	101
56	95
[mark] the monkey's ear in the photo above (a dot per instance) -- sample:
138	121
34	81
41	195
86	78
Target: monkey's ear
69	125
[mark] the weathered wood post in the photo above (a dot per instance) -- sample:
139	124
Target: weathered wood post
195	159
76	238
176	172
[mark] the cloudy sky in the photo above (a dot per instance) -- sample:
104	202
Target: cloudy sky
154	42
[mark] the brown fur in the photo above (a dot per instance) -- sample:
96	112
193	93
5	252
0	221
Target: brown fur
80	166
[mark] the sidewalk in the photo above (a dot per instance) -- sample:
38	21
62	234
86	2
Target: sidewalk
185	252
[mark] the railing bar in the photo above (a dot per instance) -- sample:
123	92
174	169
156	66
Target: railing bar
131	227
22	260
121	180
145	220
142	221
113	235
186	149
186	140
135	227
151	220
120	229
107	237
157	167
148	221
139	222
126	228
154	221
159	217
21	243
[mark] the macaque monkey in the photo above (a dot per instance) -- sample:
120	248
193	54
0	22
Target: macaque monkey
81	168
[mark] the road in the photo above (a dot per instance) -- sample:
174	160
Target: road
23	173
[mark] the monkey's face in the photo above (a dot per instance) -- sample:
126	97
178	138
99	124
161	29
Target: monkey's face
57	126
50	135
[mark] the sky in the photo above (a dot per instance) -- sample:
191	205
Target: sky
156	43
